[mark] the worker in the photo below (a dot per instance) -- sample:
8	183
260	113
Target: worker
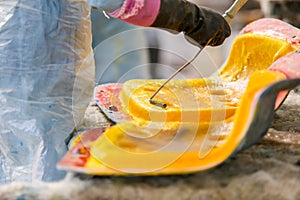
47	71
201	26
46	84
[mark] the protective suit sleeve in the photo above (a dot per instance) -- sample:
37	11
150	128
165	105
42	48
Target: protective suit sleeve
107	5
201	26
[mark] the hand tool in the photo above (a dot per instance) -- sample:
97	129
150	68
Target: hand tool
229	15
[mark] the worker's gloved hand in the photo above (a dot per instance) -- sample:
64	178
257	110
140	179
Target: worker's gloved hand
107	5
201	26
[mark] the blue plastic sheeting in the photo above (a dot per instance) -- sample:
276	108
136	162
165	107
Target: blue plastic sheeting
46	83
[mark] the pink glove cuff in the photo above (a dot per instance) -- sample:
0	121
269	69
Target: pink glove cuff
138	12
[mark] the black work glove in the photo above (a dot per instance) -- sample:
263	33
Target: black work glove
201	26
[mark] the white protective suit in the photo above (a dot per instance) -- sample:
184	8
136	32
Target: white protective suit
46	83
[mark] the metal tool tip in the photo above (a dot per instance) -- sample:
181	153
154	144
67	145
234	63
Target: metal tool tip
159	104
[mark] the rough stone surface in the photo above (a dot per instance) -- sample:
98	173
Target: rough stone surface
268	170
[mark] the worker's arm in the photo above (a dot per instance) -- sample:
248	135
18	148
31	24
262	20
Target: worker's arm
107	5
201	26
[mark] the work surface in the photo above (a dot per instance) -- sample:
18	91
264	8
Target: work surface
268	170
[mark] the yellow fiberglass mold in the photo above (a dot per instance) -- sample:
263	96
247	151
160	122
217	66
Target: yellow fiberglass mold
207	99
206	120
